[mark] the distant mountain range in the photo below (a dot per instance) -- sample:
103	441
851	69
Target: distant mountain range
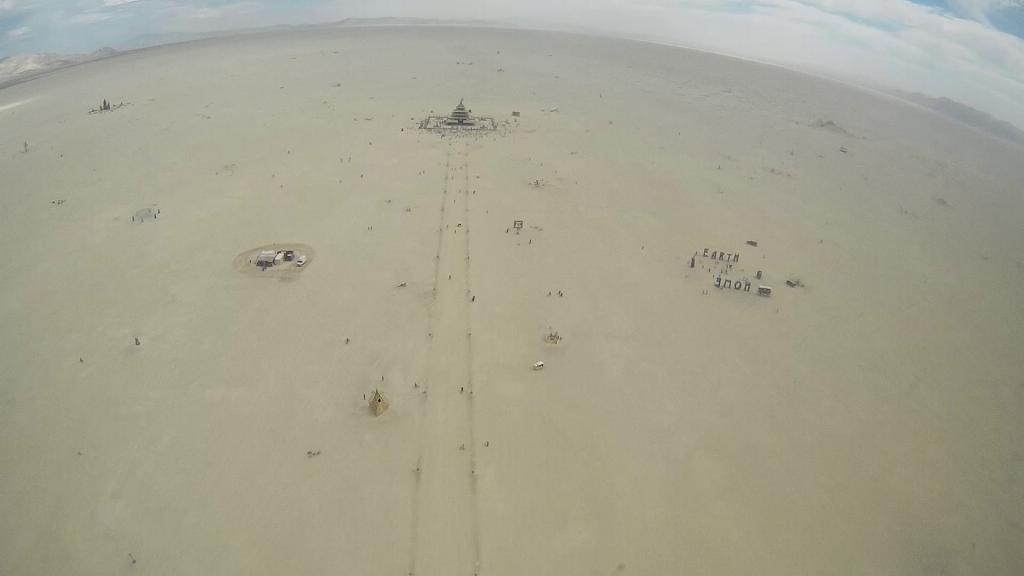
15	69
964	114
148	40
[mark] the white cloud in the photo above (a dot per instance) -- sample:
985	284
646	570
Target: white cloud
225	13
90	18
980	9
917	48
114	3
18	33
6	5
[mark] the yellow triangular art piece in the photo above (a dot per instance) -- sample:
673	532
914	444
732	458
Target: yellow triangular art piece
377	403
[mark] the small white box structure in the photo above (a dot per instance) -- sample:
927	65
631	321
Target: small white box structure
301	260
279	257
764	291
538	366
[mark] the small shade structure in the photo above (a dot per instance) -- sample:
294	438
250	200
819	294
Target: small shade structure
377	403
265	258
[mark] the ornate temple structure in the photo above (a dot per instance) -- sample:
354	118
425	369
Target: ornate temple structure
461	120
460	116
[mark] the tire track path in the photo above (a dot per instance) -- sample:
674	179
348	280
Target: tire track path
446	539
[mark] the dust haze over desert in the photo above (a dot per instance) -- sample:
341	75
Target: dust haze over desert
273	304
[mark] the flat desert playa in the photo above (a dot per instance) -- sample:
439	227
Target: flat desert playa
167	408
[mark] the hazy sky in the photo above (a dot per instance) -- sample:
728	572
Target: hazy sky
968	50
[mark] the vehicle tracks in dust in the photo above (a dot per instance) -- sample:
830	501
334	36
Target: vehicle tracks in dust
445	519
